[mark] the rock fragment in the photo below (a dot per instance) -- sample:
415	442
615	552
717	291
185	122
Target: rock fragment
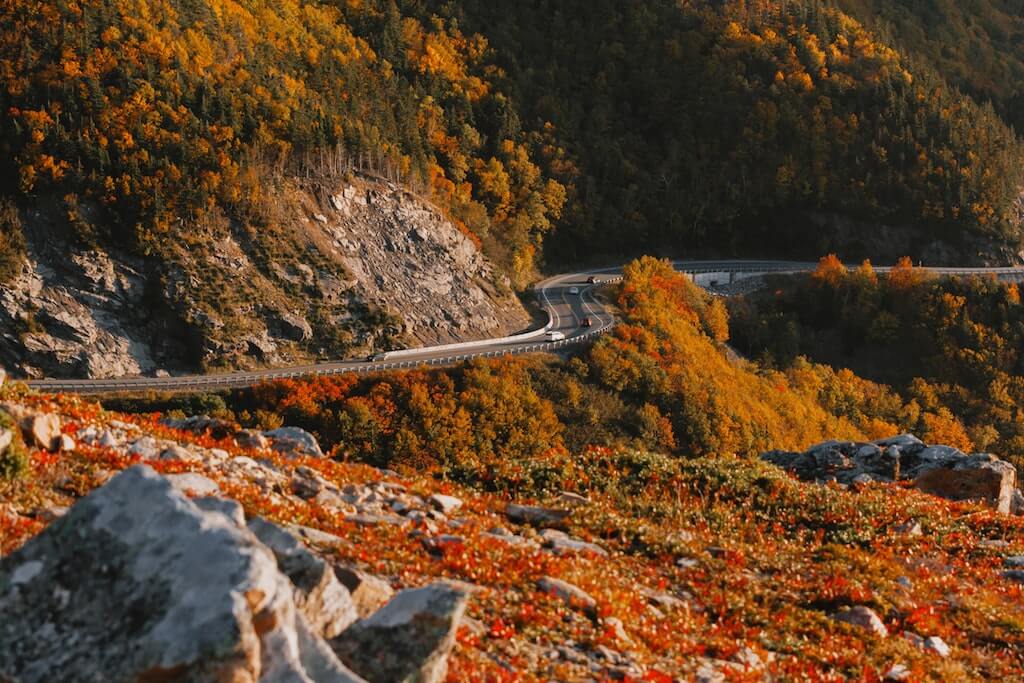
536	515
863	617
369	593
319	595
573	596
446	504
409	639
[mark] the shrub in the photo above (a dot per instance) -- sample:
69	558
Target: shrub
12	241
14	459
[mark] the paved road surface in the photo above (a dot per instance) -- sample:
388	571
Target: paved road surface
566	310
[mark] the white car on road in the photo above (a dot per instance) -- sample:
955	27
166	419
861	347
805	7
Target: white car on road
554	335
574	290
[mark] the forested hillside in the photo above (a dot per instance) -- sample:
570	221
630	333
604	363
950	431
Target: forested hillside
586	126
733	123
952	346
978	46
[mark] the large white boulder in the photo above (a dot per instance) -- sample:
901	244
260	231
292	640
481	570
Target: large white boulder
137	582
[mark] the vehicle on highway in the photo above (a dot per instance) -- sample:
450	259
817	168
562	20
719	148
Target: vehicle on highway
574	290
554	335
591	280
379	355
587	322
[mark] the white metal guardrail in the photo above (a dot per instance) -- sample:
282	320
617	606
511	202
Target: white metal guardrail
236	381
230	381
394	363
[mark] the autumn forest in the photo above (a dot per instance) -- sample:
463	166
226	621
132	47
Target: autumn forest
743	126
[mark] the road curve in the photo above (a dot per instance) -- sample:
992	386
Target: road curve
568	300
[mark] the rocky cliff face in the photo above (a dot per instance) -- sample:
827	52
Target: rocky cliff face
408	259
332	274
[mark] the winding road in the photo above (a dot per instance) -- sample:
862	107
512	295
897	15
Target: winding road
567	299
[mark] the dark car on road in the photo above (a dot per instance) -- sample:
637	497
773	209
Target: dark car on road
586	322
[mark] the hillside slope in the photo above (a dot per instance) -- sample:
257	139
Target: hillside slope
978	46
333	274
610	563
778	125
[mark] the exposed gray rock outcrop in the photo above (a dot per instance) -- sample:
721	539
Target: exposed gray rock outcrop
939	470
137	582
69	310
407	258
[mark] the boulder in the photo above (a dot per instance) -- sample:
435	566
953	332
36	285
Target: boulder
203	424
307	483
1015	575
933	644
561	543
409	639
897	672
319	595
6	438
194	484
176	453
294	441
863	617
316	537
368	592
446	504
573	596
539	516
145	447
42	430
503	535
225	506
138	583
1017	502
981	477
937	645
250	438
940	470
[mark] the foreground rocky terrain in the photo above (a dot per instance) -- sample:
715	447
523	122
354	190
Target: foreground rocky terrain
335	274
127	532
